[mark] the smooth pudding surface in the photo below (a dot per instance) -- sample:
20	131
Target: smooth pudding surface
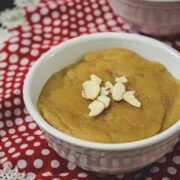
62	105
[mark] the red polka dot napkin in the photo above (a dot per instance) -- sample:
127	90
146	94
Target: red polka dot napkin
21	141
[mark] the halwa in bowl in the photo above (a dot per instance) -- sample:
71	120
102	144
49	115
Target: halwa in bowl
130	152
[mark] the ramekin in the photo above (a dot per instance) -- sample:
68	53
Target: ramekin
155	17
91	156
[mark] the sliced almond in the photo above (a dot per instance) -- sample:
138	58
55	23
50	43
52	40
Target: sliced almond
95	78
117	92
91	89
105	100
109	86
96	108
129	97
122	79
104	91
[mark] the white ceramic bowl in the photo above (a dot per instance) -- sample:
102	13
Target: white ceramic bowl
156	17
99	157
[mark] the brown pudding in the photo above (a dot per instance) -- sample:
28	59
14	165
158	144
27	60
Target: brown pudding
62	105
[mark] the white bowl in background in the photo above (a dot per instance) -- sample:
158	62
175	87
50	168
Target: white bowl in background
155	17
99	157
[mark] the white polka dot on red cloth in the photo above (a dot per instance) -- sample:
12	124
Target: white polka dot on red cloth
3	64
22	128
38	163
25	134
162	160
4	139
16	85
37	144
15	155
55	164
47	174
14	39
56	30
29	152
176	160
13	58
4	159
37	38
34	52
26	28
3	56
2	72
18	121
14	136
23	146
35	17
2	154
71	166
7	113
11	131
45	152
38	132
82	175
17	112
30	176
18	140
26	35
56	22
9	123
26	42
11	150
7	103
12	67
2	132
44	11
13	47
17	91
155	169
30	138
32	126
7	144
22	164
55	14
64	174
47	20
19	74
24	50
1	123
171	170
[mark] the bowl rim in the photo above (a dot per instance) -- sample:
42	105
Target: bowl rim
45	126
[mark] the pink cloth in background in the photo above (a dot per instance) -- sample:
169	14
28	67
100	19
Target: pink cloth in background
21	141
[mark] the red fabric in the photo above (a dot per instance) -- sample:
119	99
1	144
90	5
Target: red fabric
22	143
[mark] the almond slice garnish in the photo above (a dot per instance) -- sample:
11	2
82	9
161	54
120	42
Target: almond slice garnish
91	89
96	108
104	91
95	78
109	86
129	97
118	91
122	79
105	100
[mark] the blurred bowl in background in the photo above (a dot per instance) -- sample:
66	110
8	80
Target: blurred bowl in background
153	17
